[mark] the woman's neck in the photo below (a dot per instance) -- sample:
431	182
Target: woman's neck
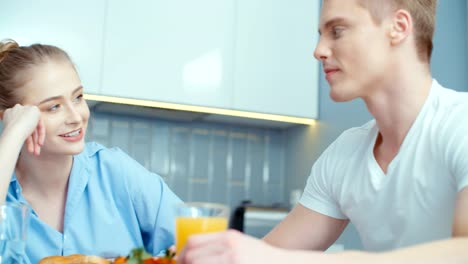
45	175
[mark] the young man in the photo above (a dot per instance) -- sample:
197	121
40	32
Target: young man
402	178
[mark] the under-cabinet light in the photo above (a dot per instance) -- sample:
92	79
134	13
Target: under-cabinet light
200	109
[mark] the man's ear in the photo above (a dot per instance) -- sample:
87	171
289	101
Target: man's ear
402	26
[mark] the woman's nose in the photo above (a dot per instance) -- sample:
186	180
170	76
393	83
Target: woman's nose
73	115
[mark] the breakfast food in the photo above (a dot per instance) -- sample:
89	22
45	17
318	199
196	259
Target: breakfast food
74	259
153	260
138	255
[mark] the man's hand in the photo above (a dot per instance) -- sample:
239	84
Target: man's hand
226	247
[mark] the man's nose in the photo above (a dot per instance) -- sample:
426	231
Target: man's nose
322	52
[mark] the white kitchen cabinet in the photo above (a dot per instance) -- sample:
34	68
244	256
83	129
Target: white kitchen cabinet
173	51
75	26
234	54
275	71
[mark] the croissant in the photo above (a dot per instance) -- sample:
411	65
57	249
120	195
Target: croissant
74	259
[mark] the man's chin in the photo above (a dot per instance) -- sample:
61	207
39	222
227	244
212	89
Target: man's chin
339	98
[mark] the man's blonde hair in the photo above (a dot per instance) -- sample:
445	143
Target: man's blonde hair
423	13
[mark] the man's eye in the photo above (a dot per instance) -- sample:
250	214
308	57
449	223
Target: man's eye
337	31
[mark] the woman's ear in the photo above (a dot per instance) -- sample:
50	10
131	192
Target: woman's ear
402	26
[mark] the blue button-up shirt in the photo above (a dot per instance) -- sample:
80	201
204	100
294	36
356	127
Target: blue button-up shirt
113	205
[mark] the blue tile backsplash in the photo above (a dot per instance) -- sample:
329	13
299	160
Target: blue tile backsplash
201	161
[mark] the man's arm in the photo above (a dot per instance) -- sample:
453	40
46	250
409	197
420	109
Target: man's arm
460	221
445	251
306	229
236	248
232	247
451	251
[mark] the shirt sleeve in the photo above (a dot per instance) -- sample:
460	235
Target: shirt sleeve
317	194
454	141
160	233
154	204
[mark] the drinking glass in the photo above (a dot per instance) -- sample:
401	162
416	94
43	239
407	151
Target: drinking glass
14	220
198	218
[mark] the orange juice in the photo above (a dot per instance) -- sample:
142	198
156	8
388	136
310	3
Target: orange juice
186	226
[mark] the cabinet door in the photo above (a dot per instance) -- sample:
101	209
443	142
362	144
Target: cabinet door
275	71
75	26
174	51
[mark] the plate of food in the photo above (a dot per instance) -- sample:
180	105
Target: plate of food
136	256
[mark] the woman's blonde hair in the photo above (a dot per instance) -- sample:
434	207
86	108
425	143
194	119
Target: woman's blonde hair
16	63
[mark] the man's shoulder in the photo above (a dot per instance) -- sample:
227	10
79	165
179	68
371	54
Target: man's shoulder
359	132
449	99
447	115
354	139
448	109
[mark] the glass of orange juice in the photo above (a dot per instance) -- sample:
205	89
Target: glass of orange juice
198	218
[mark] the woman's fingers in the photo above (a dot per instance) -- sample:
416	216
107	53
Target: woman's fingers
39	140
30	144
37	147
38	150
42	132
35	137
35	141
25	121
38	137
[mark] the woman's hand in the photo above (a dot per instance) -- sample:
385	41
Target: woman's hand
26	124
229	247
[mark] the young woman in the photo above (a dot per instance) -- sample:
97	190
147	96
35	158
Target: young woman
85	198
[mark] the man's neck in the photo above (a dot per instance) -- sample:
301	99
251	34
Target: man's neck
396	105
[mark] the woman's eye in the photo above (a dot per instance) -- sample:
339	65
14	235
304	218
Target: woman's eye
79	98
53	108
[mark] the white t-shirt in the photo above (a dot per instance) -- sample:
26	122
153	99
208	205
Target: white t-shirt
414	202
